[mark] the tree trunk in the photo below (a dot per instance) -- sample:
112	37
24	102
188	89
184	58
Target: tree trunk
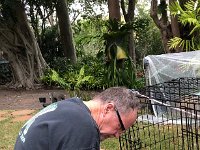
65	30
20	47
114	10
162	24
175	28
129	17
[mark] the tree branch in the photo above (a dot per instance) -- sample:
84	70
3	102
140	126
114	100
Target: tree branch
131	9
153	13
123	10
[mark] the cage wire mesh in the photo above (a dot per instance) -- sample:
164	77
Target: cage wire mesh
170	118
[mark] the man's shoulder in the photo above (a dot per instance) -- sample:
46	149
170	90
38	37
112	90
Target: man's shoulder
71	103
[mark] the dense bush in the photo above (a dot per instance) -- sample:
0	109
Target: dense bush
87	74
90	73
50	44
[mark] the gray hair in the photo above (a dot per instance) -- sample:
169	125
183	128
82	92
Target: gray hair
123	98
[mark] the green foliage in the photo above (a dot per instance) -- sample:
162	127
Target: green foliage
92	74
93	67
50	45
188	17
9	131
52	77
105	73
61	65
87	74
147	36
38	13
117	32
110	144
88	9
117	74
180	42
91	35
78	80
87	36
122	76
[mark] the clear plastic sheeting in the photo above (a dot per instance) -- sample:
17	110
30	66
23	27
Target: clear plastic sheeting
165	67
174	84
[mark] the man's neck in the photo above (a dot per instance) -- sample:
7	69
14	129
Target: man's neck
95	109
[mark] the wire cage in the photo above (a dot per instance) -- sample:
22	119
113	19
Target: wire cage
169	119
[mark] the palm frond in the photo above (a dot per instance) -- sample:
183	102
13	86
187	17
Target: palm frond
195	43
174	42
188	17
190	21
178	42
196	28
198	9
190	5
175	8
198	47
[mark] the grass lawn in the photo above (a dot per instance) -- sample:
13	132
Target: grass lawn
110	144
8	133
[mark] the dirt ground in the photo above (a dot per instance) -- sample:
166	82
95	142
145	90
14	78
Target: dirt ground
21	104
21	99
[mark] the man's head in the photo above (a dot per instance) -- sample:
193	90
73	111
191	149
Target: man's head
117	111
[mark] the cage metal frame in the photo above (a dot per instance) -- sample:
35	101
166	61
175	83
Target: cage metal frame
177	124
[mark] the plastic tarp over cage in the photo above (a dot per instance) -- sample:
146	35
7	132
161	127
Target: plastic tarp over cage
175	71
166	67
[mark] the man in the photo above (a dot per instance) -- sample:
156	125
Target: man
76	125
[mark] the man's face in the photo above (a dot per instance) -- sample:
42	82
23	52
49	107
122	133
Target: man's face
111	126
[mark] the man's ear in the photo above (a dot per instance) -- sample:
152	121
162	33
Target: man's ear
109	107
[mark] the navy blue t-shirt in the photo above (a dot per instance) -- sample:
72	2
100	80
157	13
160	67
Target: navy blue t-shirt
65	125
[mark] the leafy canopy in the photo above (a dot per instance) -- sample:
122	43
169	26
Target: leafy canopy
188	17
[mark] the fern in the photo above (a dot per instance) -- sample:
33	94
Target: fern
189	16
196	28
198	9
54	76
190	5
82	78
178	42
175	8
174	42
